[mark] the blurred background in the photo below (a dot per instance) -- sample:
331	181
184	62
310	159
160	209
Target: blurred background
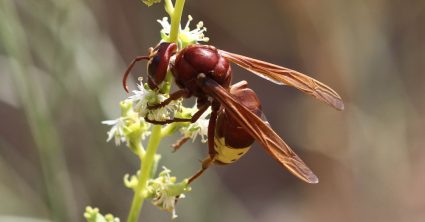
61	64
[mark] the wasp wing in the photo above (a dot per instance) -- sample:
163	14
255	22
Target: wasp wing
281	75
261	131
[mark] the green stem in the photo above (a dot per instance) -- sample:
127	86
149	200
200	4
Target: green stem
146	169
148	159
175	21
140	151
169	8
171	128
136	205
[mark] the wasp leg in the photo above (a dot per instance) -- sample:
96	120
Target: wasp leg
211	151
173	96
205	164
179	143
194	118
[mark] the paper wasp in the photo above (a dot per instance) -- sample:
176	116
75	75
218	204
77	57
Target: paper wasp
204	72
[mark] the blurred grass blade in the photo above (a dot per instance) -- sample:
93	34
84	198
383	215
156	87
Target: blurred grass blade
56	178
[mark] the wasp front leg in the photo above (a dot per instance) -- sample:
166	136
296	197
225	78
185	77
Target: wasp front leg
182	93
194	118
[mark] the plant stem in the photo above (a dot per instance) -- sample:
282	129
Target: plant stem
171	128
169	8
175	21
148	159
146	169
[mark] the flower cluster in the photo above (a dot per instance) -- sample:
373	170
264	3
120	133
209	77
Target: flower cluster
144	96
186	36
135	109
198	128
129	127
93	215
132	127
165	191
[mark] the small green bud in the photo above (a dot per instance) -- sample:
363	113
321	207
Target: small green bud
150	2
131	181
93	215
126	106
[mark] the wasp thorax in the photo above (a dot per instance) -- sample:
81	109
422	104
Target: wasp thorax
196	59
158	63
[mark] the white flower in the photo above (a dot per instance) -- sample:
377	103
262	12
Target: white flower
196	34
117	130
166	202
129	127
145	96
166	27
186	36
198	128
166	192
140	99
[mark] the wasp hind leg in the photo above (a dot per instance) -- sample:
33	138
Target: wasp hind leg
205	164
176	146
211	151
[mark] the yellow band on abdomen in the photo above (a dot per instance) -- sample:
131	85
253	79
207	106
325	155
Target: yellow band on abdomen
227	154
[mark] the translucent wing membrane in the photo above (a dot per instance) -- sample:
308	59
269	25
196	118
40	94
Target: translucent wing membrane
282	75
261	131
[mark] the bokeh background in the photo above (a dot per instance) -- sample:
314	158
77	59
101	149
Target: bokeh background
61	63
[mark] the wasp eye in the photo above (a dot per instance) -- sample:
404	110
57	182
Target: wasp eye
158	64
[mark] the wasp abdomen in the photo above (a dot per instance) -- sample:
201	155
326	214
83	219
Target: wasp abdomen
231	140
227	154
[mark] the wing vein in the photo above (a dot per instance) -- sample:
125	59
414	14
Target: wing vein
261	131
282	75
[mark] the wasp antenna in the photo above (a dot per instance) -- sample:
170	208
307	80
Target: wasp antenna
129	68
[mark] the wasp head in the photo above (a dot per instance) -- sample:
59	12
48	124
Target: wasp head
159	60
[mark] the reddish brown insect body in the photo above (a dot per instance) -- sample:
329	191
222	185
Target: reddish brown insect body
158	65
196	59
231	140
228	127
204	72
